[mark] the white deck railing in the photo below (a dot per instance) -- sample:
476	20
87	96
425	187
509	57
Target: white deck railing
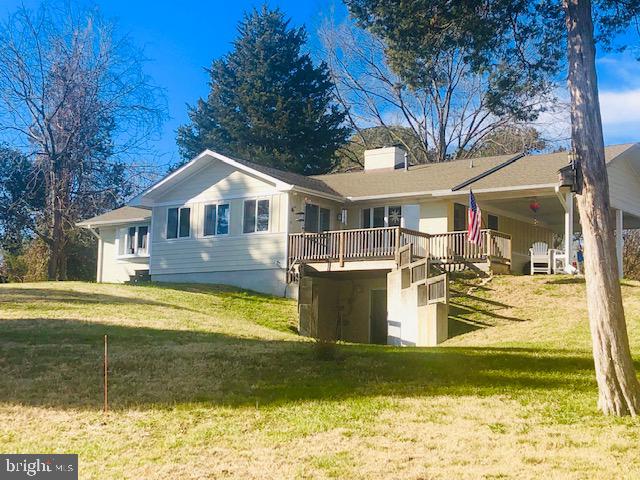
386	242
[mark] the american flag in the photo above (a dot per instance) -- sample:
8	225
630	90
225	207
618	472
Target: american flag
475	220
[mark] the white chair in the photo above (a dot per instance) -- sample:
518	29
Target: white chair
540	258
558	261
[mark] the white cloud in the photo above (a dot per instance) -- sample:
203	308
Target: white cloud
620	107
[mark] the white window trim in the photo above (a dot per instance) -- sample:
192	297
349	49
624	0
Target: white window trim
256	232
166	223
386	214
215	232
135	242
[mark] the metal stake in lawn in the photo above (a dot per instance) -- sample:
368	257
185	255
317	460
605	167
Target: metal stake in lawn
106	373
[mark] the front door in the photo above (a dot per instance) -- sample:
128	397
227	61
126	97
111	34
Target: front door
379	317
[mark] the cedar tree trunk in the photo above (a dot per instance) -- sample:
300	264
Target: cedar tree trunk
619	390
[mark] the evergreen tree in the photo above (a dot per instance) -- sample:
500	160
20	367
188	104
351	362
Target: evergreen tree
268	103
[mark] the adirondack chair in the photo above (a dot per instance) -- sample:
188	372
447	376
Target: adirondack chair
540	258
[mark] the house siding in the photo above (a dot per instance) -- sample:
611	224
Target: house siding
114	270
624	185
259	255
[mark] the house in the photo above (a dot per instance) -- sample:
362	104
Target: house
229	221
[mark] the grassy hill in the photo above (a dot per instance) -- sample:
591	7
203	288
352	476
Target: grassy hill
211	382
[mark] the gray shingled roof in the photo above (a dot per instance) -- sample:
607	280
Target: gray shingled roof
308	182
119	215
529	170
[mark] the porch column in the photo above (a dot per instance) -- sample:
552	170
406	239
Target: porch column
619	242
568	230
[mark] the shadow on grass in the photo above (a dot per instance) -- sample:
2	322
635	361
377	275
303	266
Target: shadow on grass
58	363
566	281
464	308
53	295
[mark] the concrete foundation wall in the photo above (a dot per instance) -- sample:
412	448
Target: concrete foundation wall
410	321
337	307
270	281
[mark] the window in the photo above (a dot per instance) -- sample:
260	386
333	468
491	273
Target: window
387	216
216	220
366	218
394	217
378	217
311	217
325	219
178	222
209	220
492	222
143	239
316	219
222	225
459	217
133	241
256	216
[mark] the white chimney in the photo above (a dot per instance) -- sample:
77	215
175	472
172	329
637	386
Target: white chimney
384	158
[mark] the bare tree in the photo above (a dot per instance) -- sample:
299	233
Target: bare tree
451	112
73	96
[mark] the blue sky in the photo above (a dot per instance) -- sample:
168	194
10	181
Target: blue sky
182	37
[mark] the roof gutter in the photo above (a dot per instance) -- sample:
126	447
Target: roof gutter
500	166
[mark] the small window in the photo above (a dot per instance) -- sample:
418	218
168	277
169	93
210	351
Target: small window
249	223
178	222
459	217
222	227
262	221
366	218
311	220
378	217
131	241
395	216
209	220
256	216
492	222
143	240
172	223
185	222
325	219
216	220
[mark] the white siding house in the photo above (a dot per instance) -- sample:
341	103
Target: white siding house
228	221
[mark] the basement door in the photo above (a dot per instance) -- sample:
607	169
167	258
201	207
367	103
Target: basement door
378	317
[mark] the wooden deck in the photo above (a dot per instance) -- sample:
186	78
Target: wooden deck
386	243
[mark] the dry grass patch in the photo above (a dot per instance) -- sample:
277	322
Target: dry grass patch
211	382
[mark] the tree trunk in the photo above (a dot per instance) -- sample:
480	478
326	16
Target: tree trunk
619	390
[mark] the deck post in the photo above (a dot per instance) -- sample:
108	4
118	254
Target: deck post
568	230
341	249
619	242
397	233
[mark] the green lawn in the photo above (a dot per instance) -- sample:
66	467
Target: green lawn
209	382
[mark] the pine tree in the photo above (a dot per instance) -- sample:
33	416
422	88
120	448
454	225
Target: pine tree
268	103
